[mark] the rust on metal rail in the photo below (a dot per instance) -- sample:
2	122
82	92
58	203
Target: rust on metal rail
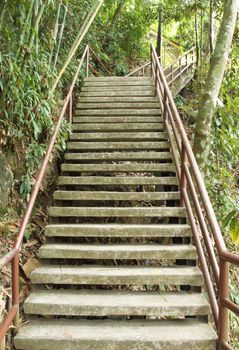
13	256
196	200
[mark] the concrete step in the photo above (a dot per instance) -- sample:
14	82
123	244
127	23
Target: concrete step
120	105
118	303
120	145
119	180
124	167
118	82
104	156
117	119
117	212
118	230
156	136
44	334
119	111
117	99
119	93
119	78
117	251
91	127
116	275
114	196
128	88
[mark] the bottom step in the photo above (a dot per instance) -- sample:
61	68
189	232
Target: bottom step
116	335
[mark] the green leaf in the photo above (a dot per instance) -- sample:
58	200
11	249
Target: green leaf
234	230
228	218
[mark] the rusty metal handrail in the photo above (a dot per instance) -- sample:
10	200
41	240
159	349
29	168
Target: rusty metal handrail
13	256
192	188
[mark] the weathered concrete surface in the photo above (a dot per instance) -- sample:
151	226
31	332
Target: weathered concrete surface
103	303
117	230
140	156
117	212
108	275
127	335
115	196
136	145
118	251
125	167
119	180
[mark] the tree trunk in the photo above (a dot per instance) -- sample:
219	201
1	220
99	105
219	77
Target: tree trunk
213	83
211	27
117	13
197	38
159	37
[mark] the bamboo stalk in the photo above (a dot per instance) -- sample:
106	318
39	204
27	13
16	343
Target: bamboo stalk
36	25
84	29
55	32
60	35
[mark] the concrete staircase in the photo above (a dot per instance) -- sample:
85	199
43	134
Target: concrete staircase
118	270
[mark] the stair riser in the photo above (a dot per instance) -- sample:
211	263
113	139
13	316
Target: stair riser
117	119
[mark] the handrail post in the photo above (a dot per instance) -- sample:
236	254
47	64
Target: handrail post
70	109
165	102
183	180
87	62
156	78
186	59
223	324
15	288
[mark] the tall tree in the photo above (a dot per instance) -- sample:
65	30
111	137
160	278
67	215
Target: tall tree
213	83
160	31
117	13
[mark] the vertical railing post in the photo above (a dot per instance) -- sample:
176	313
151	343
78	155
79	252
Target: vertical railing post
183	181
186	59
15	288
165	103
171	74
223	324
70	109
87	62
156	78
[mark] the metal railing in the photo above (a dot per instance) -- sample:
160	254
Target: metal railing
199	209
13	256
174	71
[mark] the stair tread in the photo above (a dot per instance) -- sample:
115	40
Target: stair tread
117	180
117	212
116	135
117	126
117	196
118	119
119	93
117	251
124	230
115	105
118	99
119	156
110	302
124	167
105	274
118	145
108	335
119	111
